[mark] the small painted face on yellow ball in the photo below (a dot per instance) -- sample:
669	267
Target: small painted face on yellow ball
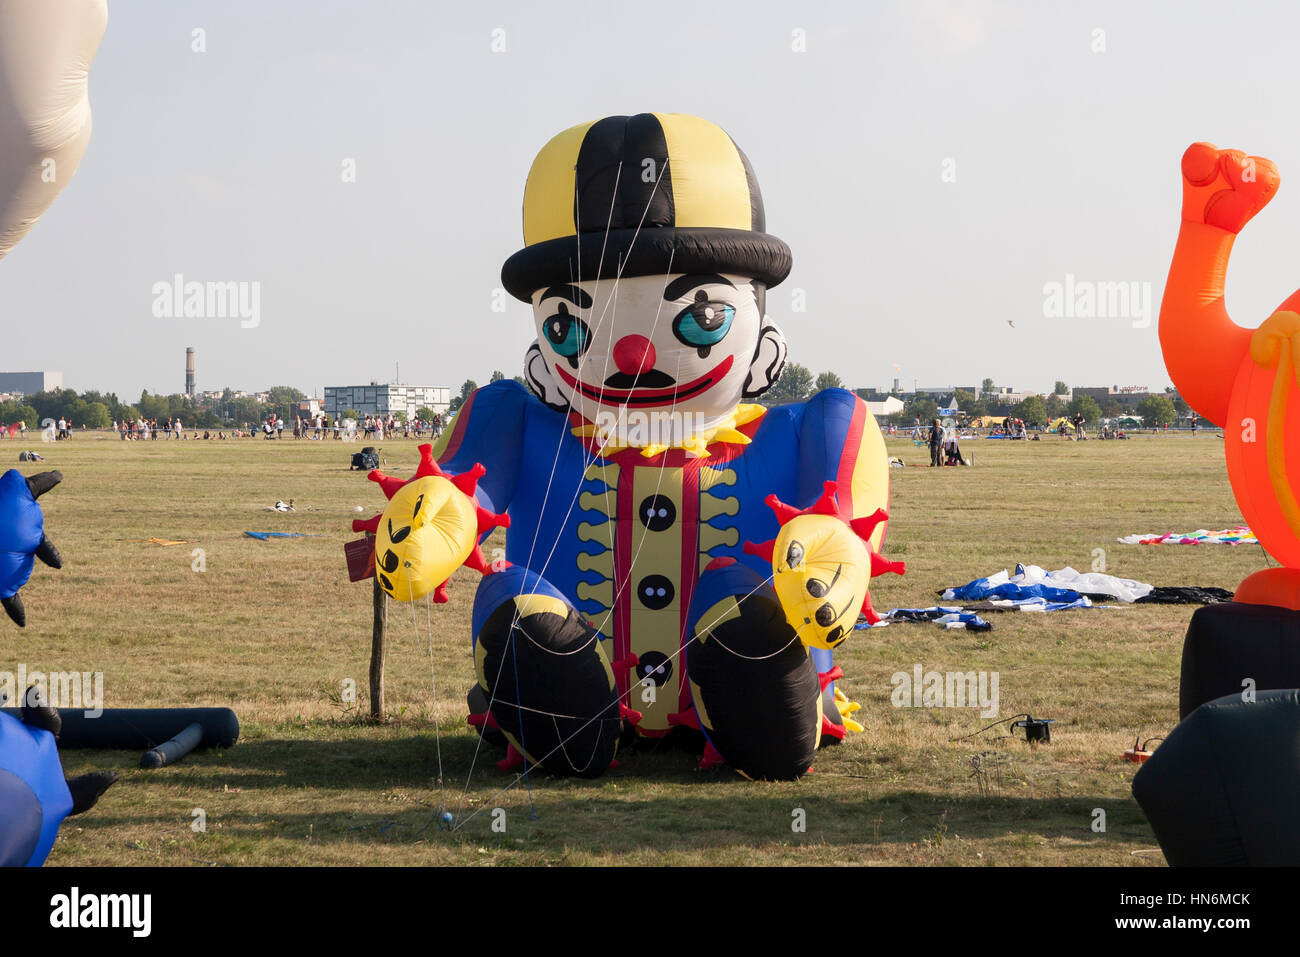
425	533
821	572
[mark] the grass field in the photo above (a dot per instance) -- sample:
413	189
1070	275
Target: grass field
273	629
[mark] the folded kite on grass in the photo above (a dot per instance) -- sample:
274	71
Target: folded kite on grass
1237	535
1040	590
952	618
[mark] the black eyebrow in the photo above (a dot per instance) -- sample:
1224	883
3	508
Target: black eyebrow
575	295
682	285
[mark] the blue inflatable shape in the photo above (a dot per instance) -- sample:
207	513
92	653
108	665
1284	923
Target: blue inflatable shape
22	527
34	797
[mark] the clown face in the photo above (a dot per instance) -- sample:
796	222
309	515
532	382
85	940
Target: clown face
685	348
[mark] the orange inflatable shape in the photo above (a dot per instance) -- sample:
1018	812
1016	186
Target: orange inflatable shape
1246	381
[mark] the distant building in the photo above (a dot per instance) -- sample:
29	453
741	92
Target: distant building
868	394
1008	396
30	382
889	406
386	398
1127	396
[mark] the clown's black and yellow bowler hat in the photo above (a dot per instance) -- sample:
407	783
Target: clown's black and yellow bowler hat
640	195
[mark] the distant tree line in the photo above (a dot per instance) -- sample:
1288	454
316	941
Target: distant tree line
98	410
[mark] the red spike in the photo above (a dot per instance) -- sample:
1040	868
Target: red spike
722	561
488	519
826	505
512	761
427	465
367	524
501	565
835	674
869	612
761	549
484	719
712	757
631	717
865	526
836	731
389	484
476	561
880	565
686	719
440	594
613	764
783	511
468	481
625	664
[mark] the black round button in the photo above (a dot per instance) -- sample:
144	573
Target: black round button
655	592
657	513
654	667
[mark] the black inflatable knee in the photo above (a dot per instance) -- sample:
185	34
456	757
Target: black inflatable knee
552	689
755	688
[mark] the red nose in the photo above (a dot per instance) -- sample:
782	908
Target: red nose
634	355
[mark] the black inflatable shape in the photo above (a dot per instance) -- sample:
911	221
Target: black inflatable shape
138	729
1228	643
760	691
1224	787
553	695
172	751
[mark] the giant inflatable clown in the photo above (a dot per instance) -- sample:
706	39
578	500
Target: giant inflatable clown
676	556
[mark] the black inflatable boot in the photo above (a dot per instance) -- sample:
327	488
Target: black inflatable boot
1224	787
1229	643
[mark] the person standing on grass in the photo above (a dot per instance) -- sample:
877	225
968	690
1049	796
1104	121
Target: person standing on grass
936	443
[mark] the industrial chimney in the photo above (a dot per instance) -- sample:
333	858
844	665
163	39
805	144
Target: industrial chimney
189	372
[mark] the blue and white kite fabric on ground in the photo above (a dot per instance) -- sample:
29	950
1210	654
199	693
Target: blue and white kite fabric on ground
1042	604
949	617
1032	588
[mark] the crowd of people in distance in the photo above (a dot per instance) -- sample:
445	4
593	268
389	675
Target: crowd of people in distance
142	428
320	426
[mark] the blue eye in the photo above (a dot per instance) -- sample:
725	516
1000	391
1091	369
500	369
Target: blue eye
567	334
704	323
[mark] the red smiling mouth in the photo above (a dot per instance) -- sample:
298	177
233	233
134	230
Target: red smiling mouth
674	393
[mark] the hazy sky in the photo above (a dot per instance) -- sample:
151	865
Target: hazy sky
226	165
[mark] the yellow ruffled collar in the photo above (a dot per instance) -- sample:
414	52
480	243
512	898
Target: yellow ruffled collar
726	430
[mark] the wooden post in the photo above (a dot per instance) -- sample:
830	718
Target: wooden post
377	653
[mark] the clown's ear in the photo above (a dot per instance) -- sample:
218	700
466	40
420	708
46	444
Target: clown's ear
768	361
540	380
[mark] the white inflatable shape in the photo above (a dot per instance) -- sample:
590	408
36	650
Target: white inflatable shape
46	48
